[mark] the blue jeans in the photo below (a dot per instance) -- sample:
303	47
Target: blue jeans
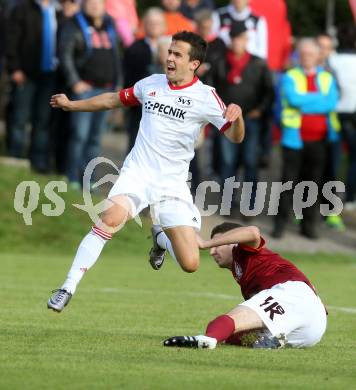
245	154
30	101
84	143
348	122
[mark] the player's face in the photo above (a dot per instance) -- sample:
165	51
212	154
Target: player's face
179	67
222	254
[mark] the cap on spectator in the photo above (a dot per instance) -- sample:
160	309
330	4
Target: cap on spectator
237	28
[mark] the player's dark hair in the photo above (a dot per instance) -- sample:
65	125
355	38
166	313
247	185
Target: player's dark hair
224	227
197	44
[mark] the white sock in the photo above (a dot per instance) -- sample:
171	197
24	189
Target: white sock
87	254
164	242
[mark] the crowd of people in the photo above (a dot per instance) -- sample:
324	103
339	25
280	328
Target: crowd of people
87	47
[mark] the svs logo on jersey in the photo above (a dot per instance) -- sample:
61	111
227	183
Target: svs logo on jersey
183	101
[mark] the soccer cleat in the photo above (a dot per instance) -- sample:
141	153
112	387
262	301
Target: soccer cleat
200	341
157	254
265	342
59	300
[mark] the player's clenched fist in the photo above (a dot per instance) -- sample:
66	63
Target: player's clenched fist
232	112
60	101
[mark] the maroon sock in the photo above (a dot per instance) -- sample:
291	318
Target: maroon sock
221	328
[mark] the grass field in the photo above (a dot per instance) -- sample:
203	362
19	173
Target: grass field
110	335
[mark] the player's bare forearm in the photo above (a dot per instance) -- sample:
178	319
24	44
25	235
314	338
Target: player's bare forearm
105	101
236	132
249	235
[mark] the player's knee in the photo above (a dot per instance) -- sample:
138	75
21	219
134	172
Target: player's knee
112	220
191	264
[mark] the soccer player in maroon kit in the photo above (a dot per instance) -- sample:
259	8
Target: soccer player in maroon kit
281	306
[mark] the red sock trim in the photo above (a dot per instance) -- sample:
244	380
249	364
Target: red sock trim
99	232
221	328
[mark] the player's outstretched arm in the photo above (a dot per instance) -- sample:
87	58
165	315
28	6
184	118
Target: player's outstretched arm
247	235
105	101
236	132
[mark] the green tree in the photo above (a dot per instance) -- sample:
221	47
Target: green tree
308	18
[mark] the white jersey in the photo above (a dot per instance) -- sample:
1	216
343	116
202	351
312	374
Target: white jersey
172	118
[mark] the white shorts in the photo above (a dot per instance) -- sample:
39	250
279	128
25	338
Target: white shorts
170	206
291	309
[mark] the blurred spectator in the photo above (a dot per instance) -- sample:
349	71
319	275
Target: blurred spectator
125	16
60	120
309	97
141	60
344	64
164	43
326	48
216	50
69	8
30	55
175	20
2	34
189	8
90	61
334	149
244	79
279	49
216	46
6	7
238	10
3	94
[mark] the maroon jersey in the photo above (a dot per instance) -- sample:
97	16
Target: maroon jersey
257	269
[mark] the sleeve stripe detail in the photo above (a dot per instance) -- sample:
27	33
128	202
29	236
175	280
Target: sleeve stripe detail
220	102
128	98
226	126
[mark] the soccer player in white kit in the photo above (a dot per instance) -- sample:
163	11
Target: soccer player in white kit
175	106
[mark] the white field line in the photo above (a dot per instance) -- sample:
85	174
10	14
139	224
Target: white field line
209	295
165	292
350	310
